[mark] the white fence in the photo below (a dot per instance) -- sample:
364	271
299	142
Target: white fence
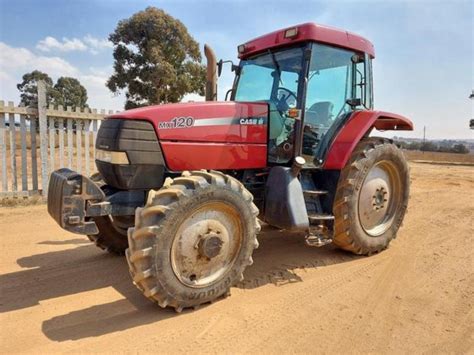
28	153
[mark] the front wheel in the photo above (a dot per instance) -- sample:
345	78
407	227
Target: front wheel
371	197
193	239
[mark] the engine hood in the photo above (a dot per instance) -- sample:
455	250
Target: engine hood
210	121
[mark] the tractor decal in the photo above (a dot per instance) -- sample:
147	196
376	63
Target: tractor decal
185	122
177	122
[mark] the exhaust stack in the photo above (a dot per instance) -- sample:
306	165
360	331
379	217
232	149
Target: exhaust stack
211	75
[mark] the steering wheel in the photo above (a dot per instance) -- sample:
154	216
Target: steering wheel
283	104
290	93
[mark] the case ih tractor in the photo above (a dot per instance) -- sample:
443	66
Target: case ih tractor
181	187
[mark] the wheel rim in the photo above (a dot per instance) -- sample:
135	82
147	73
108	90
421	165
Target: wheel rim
379	198
206	244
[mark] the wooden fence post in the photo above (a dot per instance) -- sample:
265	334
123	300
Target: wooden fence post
43	125
3	150
11	123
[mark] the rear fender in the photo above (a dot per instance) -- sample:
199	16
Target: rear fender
358	126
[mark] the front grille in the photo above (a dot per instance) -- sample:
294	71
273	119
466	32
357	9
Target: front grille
138	139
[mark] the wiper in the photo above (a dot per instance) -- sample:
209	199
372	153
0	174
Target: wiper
277	66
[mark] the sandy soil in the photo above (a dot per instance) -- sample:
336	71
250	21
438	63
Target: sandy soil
61	294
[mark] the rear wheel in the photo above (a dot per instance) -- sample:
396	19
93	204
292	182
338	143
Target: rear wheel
112	236
193	239
371	197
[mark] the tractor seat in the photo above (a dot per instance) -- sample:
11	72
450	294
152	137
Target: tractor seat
320	114
277	122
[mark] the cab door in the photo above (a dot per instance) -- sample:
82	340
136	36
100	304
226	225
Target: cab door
330	84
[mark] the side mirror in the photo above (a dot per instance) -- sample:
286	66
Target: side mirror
354	102
219	67
234	68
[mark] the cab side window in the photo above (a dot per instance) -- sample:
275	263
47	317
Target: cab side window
330	84
363	82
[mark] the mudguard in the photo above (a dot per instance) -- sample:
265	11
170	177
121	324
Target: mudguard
285	207
359	125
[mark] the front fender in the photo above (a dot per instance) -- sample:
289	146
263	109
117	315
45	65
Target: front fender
358	125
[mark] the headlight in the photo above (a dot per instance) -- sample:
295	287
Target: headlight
111	157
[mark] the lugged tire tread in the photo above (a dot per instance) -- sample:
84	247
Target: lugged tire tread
346	187
142	236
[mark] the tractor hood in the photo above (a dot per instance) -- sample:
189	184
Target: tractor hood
210	121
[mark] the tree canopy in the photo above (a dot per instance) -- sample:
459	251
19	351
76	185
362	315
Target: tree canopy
29	88
156	59
66	92
69	92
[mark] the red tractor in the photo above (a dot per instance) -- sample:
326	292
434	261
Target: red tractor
181	187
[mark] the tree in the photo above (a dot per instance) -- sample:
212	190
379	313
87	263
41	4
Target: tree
29	88
69	92
156	59
460	148
428	147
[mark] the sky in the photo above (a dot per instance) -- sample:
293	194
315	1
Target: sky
424	66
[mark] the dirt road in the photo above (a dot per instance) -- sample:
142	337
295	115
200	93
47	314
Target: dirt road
61	294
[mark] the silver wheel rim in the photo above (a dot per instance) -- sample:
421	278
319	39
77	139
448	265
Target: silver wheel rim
379	198
206	244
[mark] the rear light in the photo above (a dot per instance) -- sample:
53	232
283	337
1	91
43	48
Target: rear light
291	33
241	48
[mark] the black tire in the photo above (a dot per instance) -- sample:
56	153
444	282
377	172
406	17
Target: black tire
112	235
159	229
368	228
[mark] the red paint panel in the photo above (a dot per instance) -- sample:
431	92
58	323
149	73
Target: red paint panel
191	156
235	133
357	126
310	32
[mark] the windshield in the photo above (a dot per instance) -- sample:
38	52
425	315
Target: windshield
271	77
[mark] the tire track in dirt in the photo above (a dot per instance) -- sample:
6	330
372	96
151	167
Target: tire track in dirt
306	294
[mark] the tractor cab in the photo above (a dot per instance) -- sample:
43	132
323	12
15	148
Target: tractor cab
311	88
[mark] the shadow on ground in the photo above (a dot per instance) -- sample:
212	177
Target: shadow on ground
85	268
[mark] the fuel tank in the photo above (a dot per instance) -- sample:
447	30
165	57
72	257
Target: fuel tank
208	135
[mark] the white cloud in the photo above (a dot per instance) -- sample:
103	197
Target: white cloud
193	98
8	91
97	43
87	43
66	45
15	59
98	94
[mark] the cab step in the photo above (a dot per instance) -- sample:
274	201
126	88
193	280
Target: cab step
316	240
314	193
320	217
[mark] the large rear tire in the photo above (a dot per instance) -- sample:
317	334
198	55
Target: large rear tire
193	239
371	197
112	235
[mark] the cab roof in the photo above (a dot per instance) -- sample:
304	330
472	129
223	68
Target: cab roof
304	33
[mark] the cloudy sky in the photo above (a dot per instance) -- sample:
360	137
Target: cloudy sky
424	49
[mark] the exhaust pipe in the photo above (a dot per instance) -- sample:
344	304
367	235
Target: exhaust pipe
211	75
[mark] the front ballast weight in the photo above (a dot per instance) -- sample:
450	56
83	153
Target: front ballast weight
74	200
